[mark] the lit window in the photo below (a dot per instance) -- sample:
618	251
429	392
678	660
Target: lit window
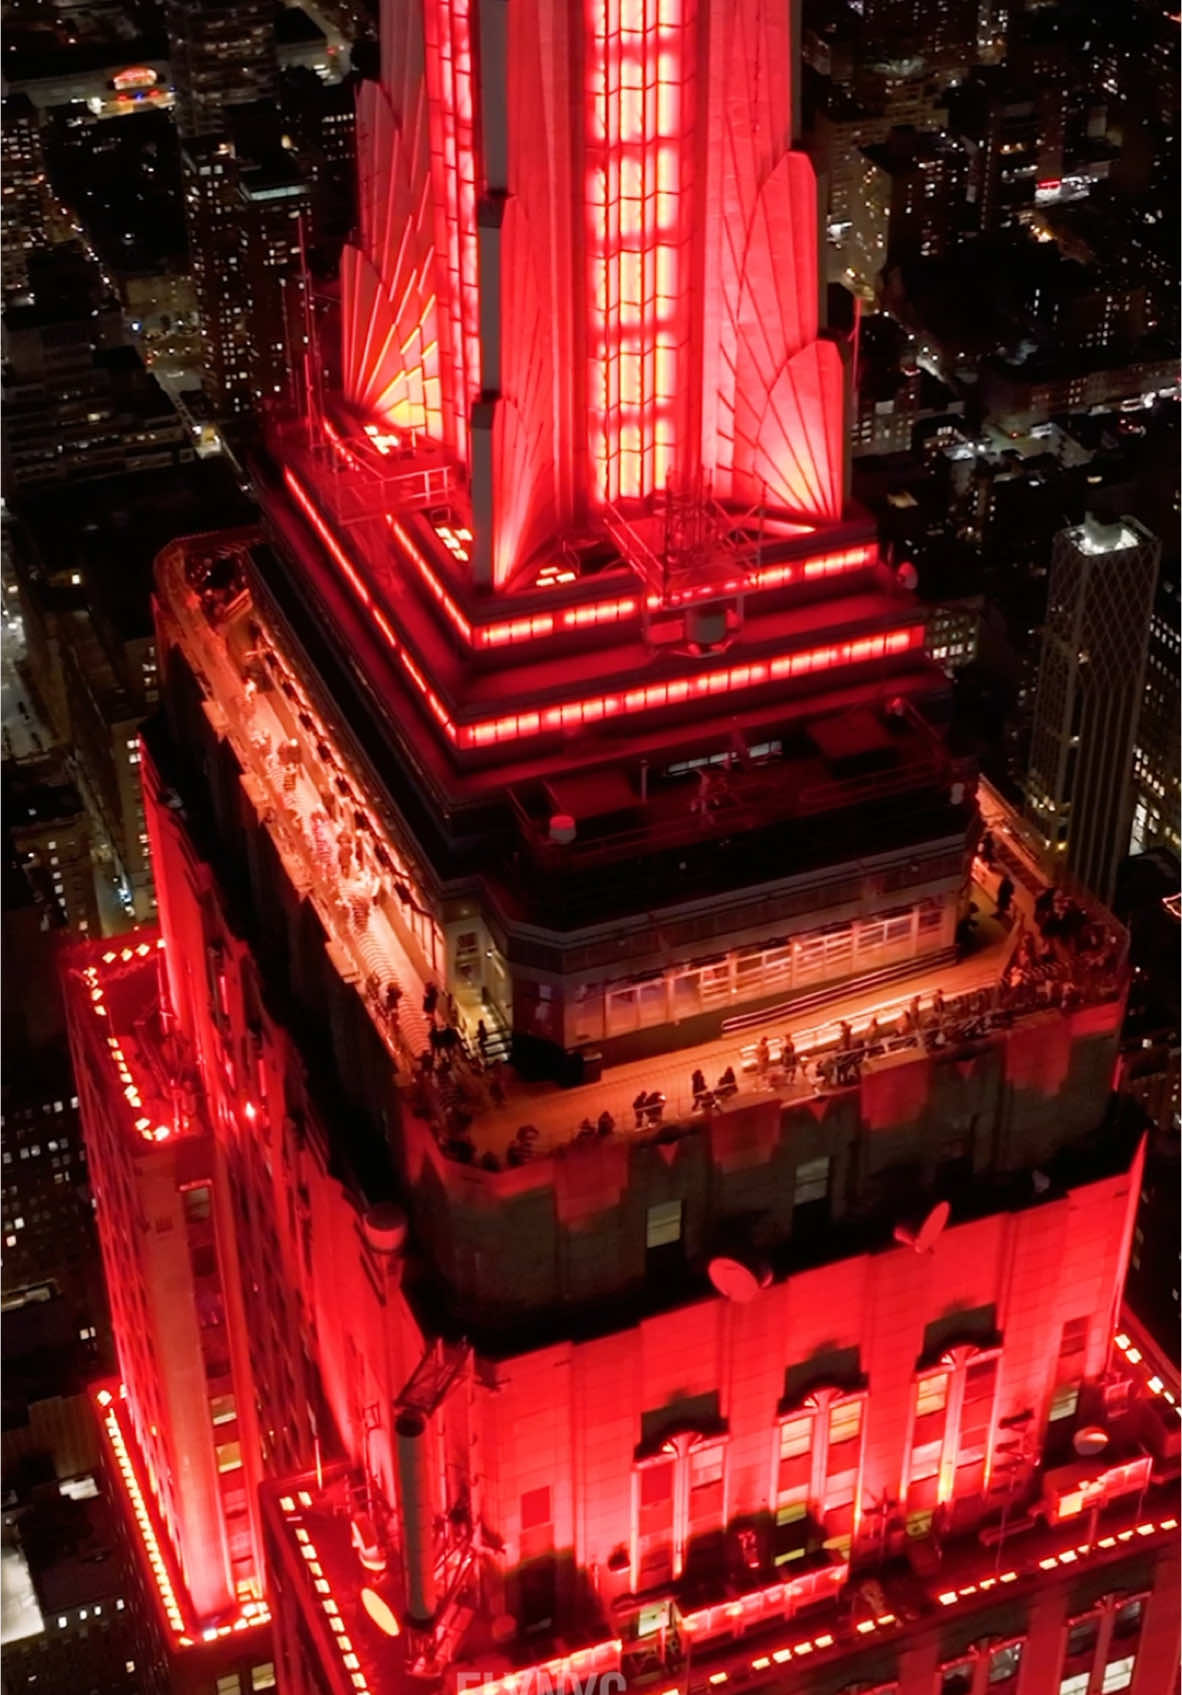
1128	1618
1076	1684
229	1684
706	1466
663	1224
196	1204
796	1437
931	1394
1004	1662
1118	1674
229	1456
925	1460
263	1677
845	1421
812	1182
1081	1636
223	1409
704	1506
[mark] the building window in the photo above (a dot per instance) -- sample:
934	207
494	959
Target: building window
1004	1664
537	1525
196	1204
663	1225
1064	1401
1076	1684
223	1409
654	1524
976	1411
1118	1674
843	1454
817	1467
796	1437
812	1182
931	1395
229	1456
229	1684
263	1677
1128	1617
1082	1637
1069	1367
705	1489
952	1428
679	1502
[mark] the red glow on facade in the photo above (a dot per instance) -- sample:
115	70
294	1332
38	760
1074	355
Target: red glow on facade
448	68
640	116
595	708
389	318
632	306
583	616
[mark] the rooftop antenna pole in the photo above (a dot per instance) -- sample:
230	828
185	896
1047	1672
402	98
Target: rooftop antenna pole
311	342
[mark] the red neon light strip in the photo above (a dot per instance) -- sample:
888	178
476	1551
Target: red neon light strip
432	581
322	530
602	611
593	708
530	1679
652	698
328	1605
141	1512
542	624
127	1080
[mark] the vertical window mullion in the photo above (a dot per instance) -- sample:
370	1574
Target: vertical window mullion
681	1474
820	1451
952	1416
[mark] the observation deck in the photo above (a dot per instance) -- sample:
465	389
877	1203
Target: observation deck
634	835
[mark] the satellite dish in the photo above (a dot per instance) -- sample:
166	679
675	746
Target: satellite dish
925	1238
1090	1441
738	1282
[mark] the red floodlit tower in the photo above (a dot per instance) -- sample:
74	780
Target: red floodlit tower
666	1228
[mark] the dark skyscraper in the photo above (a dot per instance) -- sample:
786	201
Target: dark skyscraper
222	56
1080	789
226	69
213	219
24	191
